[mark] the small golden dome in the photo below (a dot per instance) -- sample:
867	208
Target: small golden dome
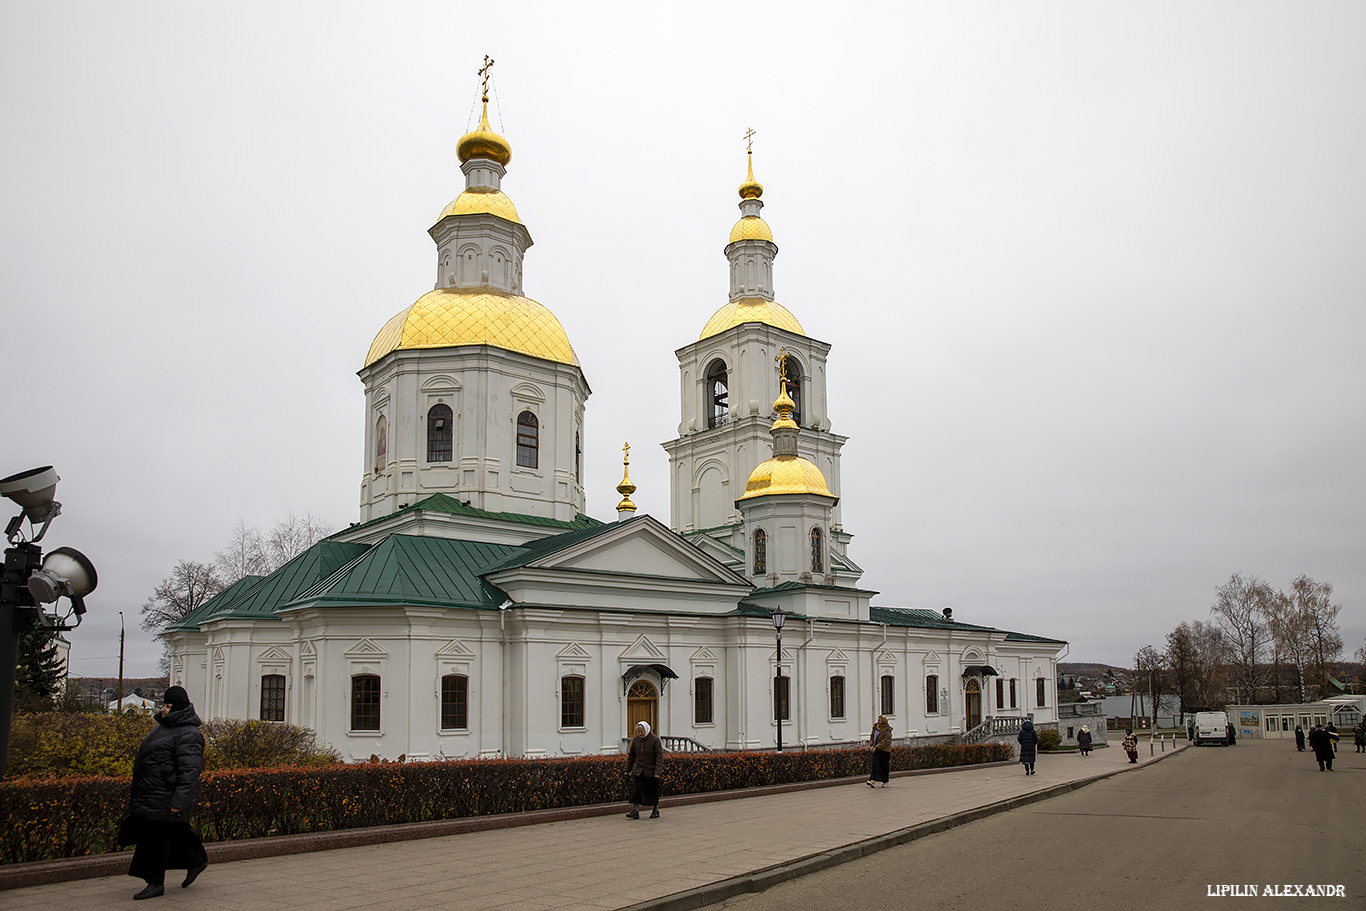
784	406
452	317
483	142
751	188
751	227
481	201
751	310
785	475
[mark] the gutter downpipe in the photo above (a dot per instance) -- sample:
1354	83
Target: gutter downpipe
801	704
503	637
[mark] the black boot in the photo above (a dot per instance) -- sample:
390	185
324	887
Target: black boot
151	890
655	814
635	812
193	873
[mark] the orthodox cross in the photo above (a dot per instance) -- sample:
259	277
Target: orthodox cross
781	360
626	454
483	71
749	139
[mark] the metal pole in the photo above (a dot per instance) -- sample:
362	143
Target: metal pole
118	697
777	690
9	664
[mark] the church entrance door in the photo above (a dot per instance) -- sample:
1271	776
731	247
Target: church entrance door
974	704
642	704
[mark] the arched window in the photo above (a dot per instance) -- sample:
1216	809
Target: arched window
571	702
888	694
932	694
719	390
381	445
455	702
817	552
440	433
365	702
273	697
794	387
528	440
760	552
702	701
837	697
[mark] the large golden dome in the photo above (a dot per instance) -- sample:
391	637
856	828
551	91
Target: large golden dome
751	310
751	227
451	317
481	200
785	475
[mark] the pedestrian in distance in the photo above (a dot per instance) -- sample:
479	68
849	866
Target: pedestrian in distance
1359	735
1232	733
1029	744
1084	740
644	761
1131	744
1299	738
1322	740
162	798
881	742
1332	729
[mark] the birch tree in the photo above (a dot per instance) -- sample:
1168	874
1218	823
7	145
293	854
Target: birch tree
1240	611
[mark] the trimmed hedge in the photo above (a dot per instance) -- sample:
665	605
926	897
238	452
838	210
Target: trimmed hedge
70	817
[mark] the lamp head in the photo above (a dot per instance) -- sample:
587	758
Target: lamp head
778	618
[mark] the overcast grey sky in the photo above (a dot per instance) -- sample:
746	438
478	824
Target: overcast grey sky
1093	273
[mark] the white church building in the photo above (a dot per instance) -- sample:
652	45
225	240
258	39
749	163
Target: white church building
475	610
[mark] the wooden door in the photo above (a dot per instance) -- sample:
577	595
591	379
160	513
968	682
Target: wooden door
642	704
974	704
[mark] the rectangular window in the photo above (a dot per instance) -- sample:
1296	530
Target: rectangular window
1014	702
781	702
702	701
571	702
273	697
1038	692
365	702
836	697
455	702
931	695
888	701
1000	693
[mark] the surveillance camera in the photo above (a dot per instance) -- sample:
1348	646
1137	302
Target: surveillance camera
65	572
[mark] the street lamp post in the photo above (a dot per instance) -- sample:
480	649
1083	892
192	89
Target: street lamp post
778	618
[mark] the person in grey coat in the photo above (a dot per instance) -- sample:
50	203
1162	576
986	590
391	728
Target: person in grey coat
1029	743
644	761
165	787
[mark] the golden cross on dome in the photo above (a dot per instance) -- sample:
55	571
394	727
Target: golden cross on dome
484	71
781	360
749	140
626	454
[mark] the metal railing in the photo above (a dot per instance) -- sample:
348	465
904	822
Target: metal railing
682	745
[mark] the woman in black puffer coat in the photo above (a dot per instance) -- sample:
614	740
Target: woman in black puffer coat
165	786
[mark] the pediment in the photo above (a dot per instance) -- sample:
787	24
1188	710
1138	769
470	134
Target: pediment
642	648
703	654
787	656
972	653
526	392
455	649
933	656
642	547
441	383
573	650
837	656
275	653
886	657
365	649
218	653
307	648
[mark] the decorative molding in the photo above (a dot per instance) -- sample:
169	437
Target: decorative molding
365	649
573	652
932	655
454	649
526	392
275	653
642	648
886	658
837	656
441	383
307	647
703	654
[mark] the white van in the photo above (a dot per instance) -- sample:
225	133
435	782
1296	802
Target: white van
1211	727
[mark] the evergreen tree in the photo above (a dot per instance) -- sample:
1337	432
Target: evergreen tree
40	672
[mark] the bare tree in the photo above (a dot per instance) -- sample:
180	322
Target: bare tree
1240	610
292	535
244	554
1315	601
1148	668
189	585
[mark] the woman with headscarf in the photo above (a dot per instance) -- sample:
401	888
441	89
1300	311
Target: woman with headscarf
1131	744
165	786
881	741
1084	741
1029	744
644	760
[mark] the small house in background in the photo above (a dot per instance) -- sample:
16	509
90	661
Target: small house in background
136	703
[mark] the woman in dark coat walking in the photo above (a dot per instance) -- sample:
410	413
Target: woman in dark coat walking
1029	743
881	742
1299	738
1084	740
1323	741
644	760
165	786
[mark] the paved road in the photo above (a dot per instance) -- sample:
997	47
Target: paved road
1257	813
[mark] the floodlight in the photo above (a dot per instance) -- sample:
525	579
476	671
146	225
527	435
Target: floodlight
65	572
33	491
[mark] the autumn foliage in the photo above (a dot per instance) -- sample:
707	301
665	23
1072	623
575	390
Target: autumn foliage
69	817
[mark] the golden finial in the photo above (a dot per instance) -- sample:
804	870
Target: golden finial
751	188
483	72
781	360
626	488
482	142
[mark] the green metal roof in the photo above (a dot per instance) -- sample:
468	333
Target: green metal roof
924	619
544	547
289	581
1025	637
408	569
440	502
221	600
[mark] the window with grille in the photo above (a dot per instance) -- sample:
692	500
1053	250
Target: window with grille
273	697
528	440
888	690
760	552
1039	692
837	697
931	695
719	392
455	702
781	700
571	702
817	552
365	702
702	701
440	433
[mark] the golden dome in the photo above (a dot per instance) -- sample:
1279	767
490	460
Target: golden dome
482	142
451	317
751	188
785	475
751	227
479	201
751	310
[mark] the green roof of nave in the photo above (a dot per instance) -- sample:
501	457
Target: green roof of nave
234	591
260	601
440	502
